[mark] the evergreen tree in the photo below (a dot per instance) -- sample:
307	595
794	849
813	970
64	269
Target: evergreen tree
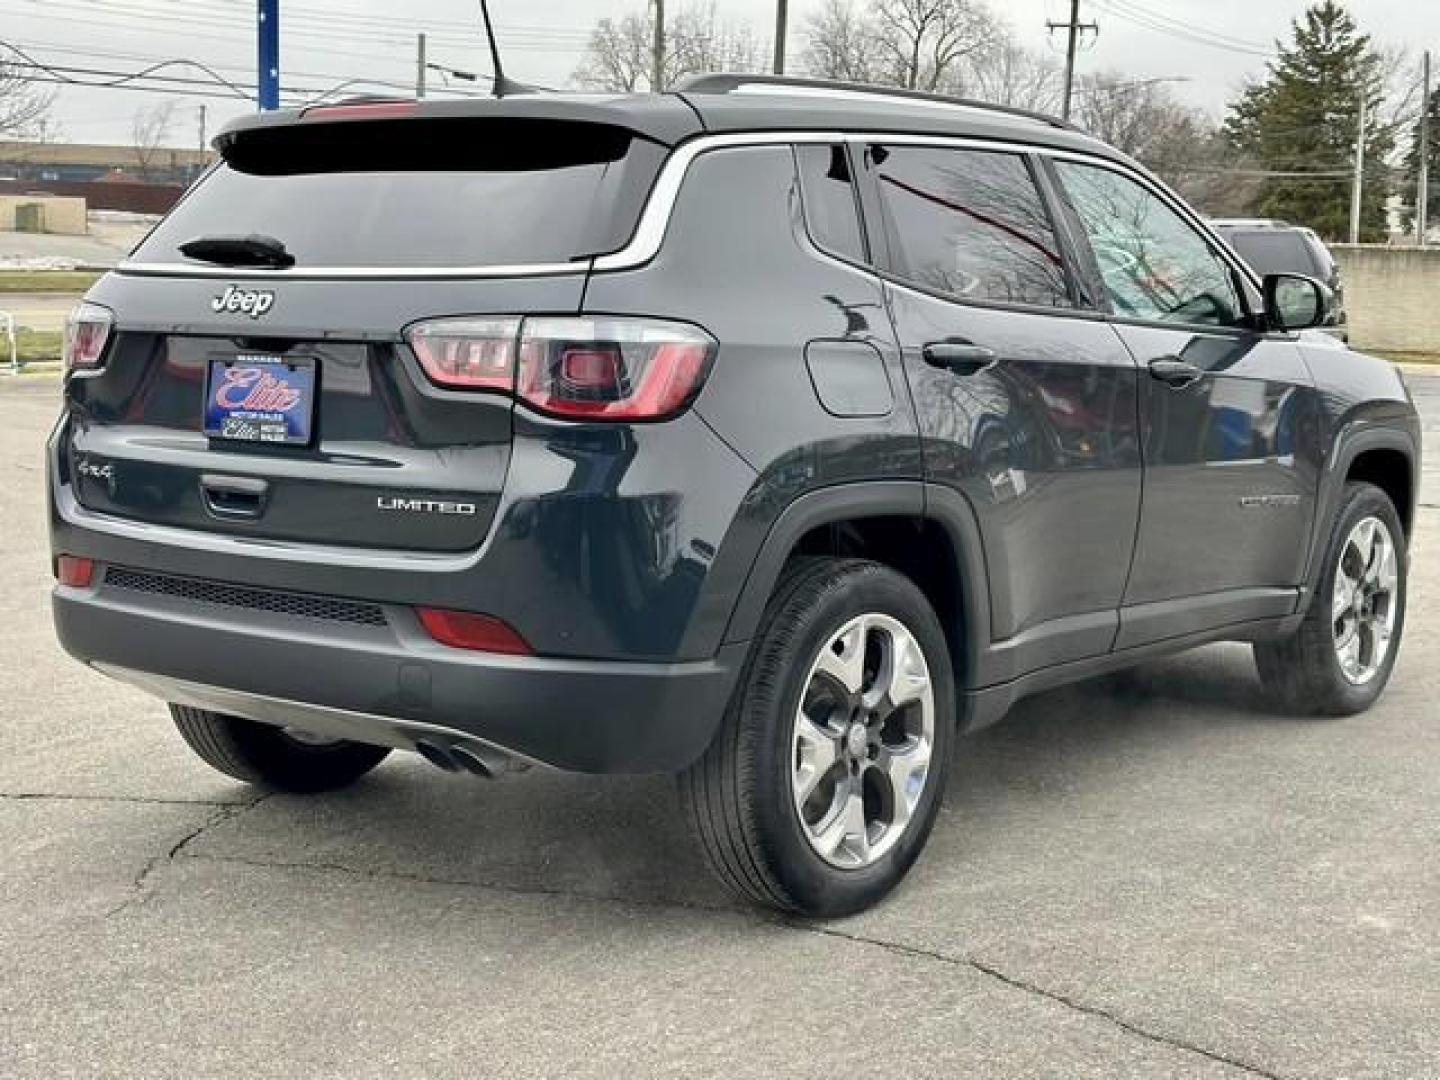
1304	118
1412	165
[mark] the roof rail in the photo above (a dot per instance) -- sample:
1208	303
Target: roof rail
729	82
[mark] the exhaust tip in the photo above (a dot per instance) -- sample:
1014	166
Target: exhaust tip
475	763
438	755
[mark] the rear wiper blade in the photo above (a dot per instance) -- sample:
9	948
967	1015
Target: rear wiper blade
253	250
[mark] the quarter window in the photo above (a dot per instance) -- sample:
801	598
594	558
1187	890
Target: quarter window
1154	264
969	223
828	190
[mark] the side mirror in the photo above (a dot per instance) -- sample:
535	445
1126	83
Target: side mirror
1296	302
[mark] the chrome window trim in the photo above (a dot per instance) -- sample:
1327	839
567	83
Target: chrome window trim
650	231
304	273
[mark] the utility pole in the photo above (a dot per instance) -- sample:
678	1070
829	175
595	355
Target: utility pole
268	53
1422	186
420	65
657	77
200	164
782	18
1358	185
1074	28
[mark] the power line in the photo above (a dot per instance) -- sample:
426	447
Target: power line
243	69
1152	20
121	78
298	25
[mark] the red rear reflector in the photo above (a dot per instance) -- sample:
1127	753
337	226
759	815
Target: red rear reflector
467	630
74	572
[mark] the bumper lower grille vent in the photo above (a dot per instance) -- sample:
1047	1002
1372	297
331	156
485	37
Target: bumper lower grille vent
299	605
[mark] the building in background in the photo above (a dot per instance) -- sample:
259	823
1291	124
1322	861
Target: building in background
140	179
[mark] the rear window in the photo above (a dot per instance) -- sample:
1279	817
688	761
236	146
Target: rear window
422	192
1276	251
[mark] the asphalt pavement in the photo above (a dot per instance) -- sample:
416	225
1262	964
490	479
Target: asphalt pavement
1144	876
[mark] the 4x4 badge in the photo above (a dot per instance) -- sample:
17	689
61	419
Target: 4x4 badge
252	302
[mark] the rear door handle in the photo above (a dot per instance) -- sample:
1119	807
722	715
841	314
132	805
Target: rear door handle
961	357
1175	372
234	496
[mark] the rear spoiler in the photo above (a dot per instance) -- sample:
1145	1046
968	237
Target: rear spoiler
660	118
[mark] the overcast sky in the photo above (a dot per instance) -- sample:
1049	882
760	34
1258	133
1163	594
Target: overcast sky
327	41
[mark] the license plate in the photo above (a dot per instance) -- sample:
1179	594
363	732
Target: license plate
252	397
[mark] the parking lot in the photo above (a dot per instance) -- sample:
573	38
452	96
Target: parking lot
1144	876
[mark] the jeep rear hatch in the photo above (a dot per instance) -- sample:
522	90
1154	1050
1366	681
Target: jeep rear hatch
263	384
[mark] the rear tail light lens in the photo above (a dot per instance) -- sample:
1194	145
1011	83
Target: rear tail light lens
468	630
468	354
595	368
74	572
612	369
86	332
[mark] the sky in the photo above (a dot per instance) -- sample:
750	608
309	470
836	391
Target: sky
1209	47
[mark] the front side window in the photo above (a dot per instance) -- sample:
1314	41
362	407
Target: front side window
1154	264
969	223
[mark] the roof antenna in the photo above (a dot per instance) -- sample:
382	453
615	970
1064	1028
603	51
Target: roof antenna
499	83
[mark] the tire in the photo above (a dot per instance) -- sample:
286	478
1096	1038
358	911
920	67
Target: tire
265	755
760	835
1304	674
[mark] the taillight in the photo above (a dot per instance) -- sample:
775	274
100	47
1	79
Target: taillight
468	354
612	369
86	332
469	630
592	368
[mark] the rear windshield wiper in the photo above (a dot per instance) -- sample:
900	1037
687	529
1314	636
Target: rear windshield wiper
253	250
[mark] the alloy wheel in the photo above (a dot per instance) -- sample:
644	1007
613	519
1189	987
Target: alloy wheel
862	742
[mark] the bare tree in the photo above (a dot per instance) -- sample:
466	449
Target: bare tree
1010	74
1183	145
24	105
148	132
700	42
619	57
842	43
925	41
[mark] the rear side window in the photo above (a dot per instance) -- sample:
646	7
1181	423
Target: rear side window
418	193
969	223
832	214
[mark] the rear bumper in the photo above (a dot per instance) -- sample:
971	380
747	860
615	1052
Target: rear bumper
391	684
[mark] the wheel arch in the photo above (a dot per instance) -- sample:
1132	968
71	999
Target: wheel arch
1384	456
900	524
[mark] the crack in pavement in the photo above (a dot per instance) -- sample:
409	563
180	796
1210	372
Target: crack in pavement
980	967
990	971
143	800
222	812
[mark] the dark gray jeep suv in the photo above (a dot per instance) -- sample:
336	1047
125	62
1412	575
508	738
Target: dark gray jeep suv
769	433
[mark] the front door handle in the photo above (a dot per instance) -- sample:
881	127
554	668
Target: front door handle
1175	372
961	357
